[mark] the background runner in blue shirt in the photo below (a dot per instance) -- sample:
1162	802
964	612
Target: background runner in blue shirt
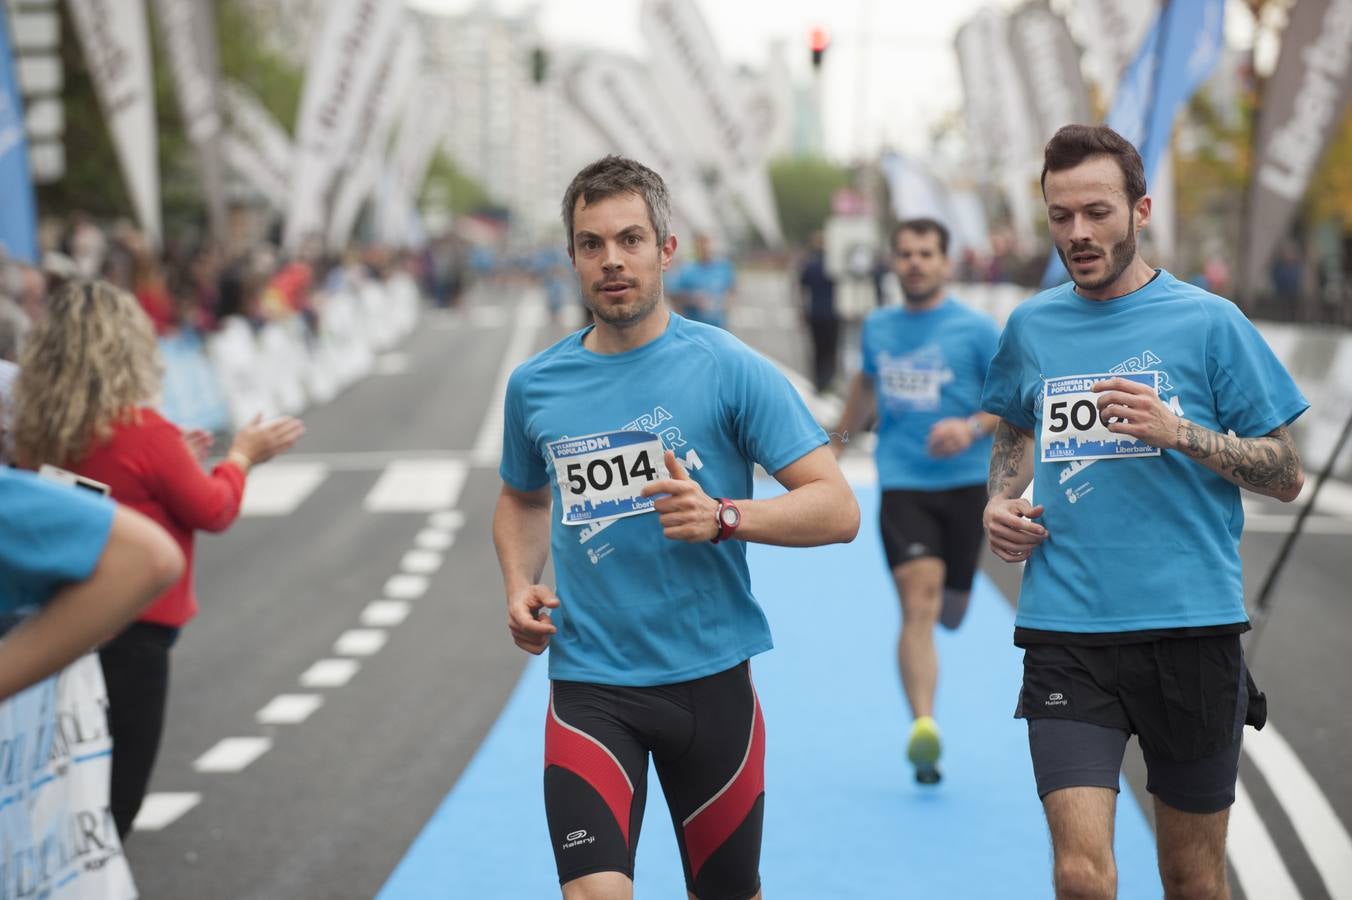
628	448
1155	402
701	288
924	364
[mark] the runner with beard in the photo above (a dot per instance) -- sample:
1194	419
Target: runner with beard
924	364
1138	406
628	451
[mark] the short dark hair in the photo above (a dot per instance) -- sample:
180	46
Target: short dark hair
1073	144
611	176
922	226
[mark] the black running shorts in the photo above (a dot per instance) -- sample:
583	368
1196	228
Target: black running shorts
1187	699
707	740
946	524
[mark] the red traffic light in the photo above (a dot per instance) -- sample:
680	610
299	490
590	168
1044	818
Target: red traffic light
818	39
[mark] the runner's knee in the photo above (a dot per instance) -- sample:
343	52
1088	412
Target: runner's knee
1082	877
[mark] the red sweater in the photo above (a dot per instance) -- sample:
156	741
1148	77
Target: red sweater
150	469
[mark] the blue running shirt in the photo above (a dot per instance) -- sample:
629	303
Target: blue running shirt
636	608
711	278
1150	542
926	366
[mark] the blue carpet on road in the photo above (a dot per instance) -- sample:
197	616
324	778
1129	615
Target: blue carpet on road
843	817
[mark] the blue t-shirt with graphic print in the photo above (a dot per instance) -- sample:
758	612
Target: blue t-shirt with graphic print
637	608
1147	542
927	365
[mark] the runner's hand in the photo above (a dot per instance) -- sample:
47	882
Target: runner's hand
1010	530
1138	411
528	617
687	514
949	436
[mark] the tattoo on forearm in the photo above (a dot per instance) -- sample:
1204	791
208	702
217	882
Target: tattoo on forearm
1006	458
1268	464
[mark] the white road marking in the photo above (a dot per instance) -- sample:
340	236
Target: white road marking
374	459
488	445
421	562
163	808
232	754
277	488
417	486
391	364
360	642
1258	864
448	519
385	613
1335	498
289	709
329	673
435	539
405	587
1323	834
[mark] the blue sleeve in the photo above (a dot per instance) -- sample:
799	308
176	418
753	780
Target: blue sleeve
772	424
50	535
1004	394
868	352
522	467
1254	393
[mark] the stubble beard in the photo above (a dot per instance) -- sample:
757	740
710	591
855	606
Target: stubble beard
1119	257
628	315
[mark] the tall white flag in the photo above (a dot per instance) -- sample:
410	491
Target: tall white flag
256	146
117	52
422	129
352	44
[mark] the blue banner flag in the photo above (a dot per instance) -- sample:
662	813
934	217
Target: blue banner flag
1177	55
18	218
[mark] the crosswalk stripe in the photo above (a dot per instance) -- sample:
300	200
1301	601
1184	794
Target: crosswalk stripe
163	808
360	642
279	487
289	709
417	485
329	673
421	562
232	754
449	519
385	613
406	587
434	539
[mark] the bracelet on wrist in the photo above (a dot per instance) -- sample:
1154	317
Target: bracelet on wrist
240	459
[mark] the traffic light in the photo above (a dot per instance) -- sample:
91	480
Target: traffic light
818	39
539	65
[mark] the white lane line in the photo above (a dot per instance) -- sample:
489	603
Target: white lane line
1269	523
1258	864
329	673
279	487
163	808
232	754
1323	834
385	613
434	539
289	709
364	461
391	364
1335	497
417	485
360	642
405	587
488	445
421	562
447	519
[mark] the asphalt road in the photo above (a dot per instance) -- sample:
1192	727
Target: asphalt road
323	799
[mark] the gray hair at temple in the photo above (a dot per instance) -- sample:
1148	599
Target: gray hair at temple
612	176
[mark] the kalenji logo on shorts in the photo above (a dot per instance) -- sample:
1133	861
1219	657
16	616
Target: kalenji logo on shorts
578	837
1056	699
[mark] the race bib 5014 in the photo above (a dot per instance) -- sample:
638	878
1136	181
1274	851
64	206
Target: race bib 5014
1073	428
602	476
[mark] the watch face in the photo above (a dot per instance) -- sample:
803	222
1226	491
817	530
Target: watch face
729	516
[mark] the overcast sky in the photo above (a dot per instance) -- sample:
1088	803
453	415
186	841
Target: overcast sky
888	77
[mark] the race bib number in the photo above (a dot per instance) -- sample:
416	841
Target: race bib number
911	385
1072	428
601	476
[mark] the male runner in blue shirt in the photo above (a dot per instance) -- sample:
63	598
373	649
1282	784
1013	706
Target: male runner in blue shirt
628	452
924	364
701	289
1138	406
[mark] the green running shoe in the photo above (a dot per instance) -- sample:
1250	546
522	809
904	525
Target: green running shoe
923	750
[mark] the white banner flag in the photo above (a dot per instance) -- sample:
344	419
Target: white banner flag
616	97
382	108
117	52
246	160
422	129
708	107
352	44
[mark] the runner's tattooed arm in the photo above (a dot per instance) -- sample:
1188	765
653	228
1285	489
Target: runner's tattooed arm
1268	465
1011	469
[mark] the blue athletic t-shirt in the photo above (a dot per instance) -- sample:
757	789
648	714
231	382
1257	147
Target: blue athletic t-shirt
50	535
927	365
1149	542
637	608
712	278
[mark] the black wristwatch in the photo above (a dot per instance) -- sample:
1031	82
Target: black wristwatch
728	518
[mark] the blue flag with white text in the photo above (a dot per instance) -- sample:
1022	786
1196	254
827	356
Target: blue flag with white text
18	219
1176	56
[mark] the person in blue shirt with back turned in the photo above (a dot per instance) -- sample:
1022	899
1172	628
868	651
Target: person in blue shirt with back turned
701	289
923	367
1138	406
637	437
